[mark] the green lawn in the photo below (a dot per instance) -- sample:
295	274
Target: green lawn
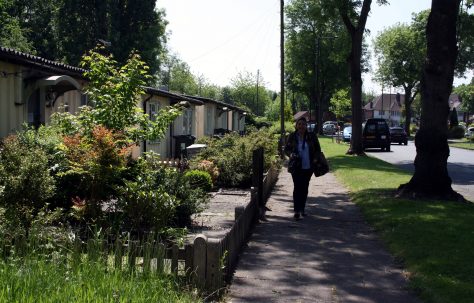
434	239
464	143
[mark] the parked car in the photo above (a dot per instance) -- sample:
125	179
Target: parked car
329	129
347	134
469	132
376	134
398	135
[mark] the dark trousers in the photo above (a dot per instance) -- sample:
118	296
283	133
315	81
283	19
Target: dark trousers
300	190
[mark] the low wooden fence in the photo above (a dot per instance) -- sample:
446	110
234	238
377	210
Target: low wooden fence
208	262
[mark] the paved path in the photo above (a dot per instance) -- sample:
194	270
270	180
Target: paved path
332	255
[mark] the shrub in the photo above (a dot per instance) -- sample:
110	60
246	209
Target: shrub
144	205
199	179
95	165
210	167
25	181
155	197
233	156
456	132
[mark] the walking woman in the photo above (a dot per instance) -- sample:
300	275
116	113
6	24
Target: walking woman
305	145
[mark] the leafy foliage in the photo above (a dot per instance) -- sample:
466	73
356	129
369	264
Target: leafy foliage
466	92
199	179
233	156
25	181
95	165
341	103
115	93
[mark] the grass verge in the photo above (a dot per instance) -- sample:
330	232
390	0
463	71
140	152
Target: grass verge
464	143
433	239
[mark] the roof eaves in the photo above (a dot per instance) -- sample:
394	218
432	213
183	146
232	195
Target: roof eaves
18	57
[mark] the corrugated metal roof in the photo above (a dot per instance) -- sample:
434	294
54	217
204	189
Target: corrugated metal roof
223	104
11	55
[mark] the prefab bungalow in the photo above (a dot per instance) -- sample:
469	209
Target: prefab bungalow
183	130
219	117
32	88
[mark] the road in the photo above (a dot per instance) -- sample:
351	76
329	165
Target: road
460	165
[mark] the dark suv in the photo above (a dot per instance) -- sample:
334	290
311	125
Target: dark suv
398	135
376	134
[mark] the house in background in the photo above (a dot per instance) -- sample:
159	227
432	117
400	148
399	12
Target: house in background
386	106
455	103
389	107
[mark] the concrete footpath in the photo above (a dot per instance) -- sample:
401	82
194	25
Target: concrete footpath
331	255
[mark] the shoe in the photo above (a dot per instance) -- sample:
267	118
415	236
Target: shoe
297	216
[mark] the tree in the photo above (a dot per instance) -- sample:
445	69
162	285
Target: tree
400	52
43	15
244	92
114	93
466	92
341	103
347	11
11	33
139	26
431	177
273	110
315	53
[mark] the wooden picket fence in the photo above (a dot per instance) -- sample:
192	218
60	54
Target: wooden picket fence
207	262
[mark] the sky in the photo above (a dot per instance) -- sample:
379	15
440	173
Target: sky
220	38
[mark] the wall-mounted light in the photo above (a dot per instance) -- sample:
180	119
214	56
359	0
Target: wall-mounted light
223	110
184	104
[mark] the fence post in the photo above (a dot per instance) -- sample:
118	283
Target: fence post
200	260
188	262
257	178
238	211
213	272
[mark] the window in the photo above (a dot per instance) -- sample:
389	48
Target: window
187	121
83	99
153	109
224	120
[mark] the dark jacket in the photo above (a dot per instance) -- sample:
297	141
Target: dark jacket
311	140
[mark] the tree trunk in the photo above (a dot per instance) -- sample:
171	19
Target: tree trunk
408	101
356	33
431	179
356	94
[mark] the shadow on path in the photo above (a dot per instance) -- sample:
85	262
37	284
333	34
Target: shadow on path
331	255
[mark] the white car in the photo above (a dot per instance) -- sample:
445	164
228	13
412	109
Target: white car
469	132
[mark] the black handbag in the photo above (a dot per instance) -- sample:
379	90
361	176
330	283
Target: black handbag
321	165
294	163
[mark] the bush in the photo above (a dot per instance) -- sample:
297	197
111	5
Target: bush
25	181
199	179
456	132
155	197
210	167
144	206
233	156
95	166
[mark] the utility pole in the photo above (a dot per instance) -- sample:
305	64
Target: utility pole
382	113
258	76
282	79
